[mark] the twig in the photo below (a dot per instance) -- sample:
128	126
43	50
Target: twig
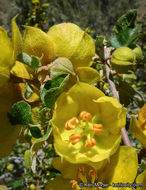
115	94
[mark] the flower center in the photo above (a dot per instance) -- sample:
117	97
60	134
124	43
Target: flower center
84	129
85	181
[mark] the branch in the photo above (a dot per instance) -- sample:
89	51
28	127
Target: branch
115	94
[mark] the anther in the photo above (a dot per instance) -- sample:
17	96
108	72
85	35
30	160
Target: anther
93	175
85	116
97	128
81	175
71	124
90	143
75	138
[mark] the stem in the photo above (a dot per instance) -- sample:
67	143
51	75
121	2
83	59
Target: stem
115	94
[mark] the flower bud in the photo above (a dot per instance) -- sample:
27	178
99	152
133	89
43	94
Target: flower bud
138	52
123	59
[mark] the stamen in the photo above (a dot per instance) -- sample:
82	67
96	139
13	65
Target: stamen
75	138
75	185
81	175
93	175
85	116
97	128
90	143
71	124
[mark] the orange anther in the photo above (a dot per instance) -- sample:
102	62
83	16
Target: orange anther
75	141
97	128
74	136
85	116
92	173
71	124
81	175
90	143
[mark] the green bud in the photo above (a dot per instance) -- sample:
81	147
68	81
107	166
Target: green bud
123	59
138	52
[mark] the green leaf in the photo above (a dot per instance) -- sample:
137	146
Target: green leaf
128	94
61	66
16	184
125	21
52	89
20	113
35	131
29	91
31	61
99	40
125	37
27	158
36	145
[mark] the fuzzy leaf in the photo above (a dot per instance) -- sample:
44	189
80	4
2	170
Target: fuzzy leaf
52	89
125	37
61	66
32	61
20	113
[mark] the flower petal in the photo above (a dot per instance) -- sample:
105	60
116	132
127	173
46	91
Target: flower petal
112	114
59	184
137	131
22	71
122	167
38	43
73	43
16	38
141	179
6	58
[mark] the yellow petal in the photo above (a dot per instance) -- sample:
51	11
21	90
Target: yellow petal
141	179
125	159
16	38
87	74
8	133
137	131
22	71
142	117
59	184
6	57
38	43
34	97
112	114
73	43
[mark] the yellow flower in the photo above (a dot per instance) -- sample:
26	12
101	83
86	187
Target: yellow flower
9	93
9	50
72	43
74	176
87	125
38	43
138	127
35	1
